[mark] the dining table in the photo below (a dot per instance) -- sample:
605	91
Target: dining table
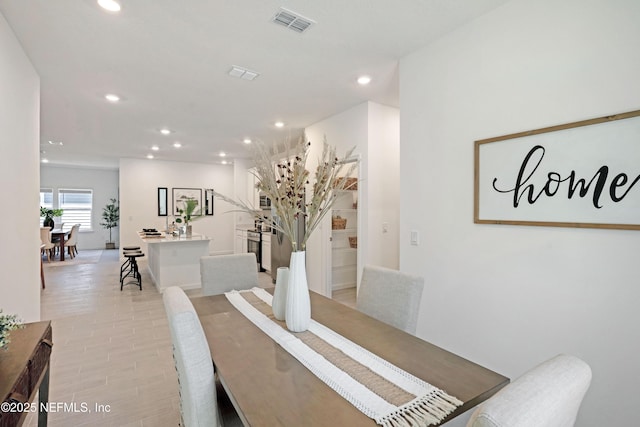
268	386
61	235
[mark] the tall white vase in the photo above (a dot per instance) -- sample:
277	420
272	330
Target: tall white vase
279	303
298	311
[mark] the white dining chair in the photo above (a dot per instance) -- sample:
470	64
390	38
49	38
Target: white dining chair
202	401
548	395
45	239
72	243
390	296
223	273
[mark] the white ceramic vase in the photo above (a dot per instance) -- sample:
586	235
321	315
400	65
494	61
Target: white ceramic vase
298	310
279	302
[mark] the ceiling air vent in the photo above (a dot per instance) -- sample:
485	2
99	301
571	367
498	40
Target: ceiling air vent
292	20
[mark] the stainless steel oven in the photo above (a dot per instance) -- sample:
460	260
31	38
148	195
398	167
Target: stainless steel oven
254	245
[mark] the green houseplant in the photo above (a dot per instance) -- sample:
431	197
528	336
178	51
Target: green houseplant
8	322
188	213
110	218
48	215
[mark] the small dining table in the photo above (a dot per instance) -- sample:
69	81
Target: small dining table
268	386
61	234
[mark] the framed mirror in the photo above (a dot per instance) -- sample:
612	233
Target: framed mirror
208	201
162	201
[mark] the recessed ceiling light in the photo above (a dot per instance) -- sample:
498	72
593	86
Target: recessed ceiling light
165	131
110	5
364	80
45	160
112	97
224	162
177	144
149	156
222	154
278	124
155	147
247	141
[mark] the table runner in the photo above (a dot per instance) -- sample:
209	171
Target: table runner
379	389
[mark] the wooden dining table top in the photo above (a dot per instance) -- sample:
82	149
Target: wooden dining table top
269	387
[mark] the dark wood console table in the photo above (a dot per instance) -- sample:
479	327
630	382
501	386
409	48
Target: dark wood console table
24	369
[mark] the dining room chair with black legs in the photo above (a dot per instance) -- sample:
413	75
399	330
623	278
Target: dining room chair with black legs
549	395
390	296
202	401
72	243
45	240
223	273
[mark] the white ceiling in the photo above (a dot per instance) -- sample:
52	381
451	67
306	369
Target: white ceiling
169	61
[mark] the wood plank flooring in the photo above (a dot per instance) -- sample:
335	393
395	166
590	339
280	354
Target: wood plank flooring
112	349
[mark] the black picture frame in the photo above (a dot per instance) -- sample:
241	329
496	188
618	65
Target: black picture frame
182	194
208	201
162	201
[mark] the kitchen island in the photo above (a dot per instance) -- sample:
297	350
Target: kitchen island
175	260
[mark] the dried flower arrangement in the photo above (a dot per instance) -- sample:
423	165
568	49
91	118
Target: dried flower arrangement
8	322
285	183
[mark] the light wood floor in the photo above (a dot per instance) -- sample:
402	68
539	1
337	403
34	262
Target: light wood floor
112	348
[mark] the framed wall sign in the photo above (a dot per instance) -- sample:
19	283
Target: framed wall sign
582	174
208	201
162	201
180	195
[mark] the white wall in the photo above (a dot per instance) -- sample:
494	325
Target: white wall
509	297
19	175
139	182
373	129
103	182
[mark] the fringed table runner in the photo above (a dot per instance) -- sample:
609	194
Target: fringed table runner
380	390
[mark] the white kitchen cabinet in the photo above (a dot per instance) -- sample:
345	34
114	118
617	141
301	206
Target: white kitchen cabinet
253	195
266	251
240	246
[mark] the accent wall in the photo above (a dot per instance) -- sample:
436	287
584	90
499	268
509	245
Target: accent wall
509	297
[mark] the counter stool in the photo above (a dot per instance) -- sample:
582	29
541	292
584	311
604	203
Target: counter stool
126	265
130	268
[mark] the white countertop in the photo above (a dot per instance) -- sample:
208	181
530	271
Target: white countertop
167	238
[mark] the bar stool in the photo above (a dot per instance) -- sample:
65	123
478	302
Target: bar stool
130	267
127	262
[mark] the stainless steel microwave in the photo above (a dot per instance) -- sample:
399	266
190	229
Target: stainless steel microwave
265	202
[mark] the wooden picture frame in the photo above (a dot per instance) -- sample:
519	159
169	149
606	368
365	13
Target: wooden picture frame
162	201
208	201
182	194
580	174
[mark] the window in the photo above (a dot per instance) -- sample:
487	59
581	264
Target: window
46	200
77	205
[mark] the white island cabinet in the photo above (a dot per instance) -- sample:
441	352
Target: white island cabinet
175	260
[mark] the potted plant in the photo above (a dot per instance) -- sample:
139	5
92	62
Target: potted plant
294	197
189	212
110	218
8	322
48	215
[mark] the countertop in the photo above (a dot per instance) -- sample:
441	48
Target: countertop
164	238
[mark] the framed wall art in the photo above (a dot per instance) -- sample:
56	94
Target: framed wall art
162	201
208	201
581	174
180	195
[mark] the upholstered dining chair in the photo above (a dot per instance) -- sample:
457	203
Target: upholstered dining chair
223	273
72	243
45	239
203	402
548	395
390	296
